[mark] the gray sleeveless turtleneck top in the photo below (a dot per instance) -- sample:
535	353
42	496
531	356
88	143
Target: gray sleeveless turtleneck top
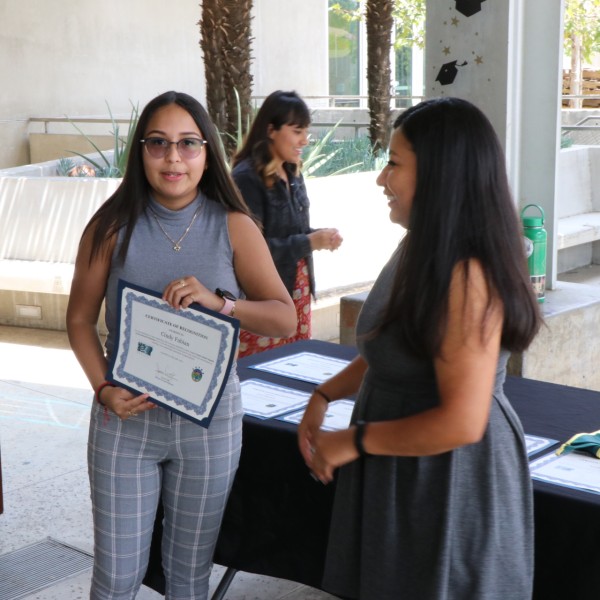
151	262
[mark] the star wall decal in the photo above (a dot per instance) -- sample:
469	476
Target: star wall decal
455	21
446	50
479	60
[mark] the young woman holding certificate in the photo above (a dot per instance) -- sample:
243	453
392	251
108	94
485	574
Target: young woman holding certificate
178	226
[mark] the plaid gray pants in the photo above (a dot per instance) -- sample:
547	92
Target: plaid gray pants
157	454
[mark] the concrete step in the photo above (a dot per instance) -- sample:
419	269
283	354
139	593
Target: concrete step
327	321
565	351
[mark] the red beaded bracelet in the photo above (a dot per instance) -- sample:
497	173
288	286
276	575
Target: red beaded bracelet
100	388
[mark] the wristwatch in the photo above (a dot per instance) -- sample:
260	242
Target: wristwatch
229	306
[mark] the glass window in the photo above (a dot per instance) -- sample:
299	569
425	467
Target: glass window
344	69
403	76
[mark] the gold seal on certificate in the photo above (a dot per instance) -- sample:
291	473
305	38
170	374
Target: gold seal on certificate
182	358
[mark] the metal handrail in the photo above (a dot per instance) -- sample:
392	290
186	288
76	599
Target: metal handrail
580	127
92	120
330	98
101	120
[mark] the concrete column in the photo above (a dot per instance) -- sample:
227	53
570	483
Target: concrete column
467	56
537	87
478	50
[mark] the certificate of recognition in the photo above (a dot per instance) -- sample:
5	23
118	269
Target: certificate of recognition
575	470
265	400
182	358
306	366
337	416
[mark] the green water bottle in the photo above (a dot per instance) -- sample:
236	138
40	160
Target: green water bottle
535	249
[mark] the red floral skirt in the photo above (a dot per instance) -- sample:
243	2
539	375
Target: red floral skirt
252	344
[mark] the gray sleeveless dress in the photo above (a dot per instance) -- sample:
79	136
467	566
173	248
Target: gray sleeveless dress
455	526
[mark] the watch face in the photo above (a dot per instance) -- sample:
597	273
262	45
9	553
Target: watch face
225	294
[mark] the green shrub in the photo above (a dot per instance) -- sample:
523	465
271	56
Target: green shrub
566	141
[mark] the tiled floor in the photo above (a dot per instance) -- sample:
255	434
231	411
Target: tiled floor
44	407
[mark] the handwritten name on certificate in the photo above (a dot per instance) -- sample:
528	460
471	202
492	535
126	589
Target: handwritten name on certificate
182	358
305	366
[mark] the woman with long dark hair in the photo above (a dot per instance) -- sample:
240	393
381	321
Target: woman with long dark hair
267	172
176	225
433	499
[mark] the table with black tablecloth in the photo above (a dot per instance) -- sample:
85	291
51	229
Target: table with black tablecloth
277	517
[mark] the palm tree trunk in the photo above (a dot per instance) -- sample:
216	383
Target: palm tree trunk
212	41
379	24
226	40
238	76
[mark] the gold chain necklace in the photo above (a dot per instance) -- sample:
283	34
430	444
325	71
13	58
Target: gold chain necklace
177	244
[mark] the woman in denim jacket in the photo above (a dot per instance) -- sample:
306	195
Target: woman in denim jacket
267	172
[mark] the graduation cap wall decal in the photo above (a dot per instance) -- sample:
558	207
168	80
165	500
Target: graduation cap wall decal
468	7
448	72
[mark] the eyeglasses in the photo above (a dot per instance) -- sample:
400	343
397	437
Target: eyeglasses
158	147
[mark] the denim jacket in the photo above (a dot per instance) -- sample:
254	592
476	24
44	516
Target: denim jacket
284	215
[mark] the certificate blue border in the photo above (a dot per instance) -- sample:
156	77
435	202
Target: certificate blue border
194	313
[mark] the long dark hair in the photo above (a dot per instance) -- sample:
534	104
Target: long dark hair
130	199
462	209
278	109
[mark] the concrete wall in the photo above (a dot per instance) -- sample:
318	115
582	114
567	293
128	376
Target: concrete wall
36	255
357	207
566	349
578	181
62	58
291	47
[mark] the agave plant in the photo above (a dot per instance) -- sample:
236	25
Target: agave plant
241	130
316	157
64	166
352	155
106	167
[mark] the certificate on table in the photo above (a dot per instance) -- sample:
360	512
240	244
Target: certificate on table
573	470
267	400
182	358
535	443
305	366
337	416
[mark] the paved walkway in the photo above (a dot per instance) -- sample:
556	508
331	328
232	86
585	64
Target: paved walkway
44	415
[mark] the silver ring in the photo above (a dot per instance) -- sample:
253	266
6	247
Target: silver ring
132	413
181	283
